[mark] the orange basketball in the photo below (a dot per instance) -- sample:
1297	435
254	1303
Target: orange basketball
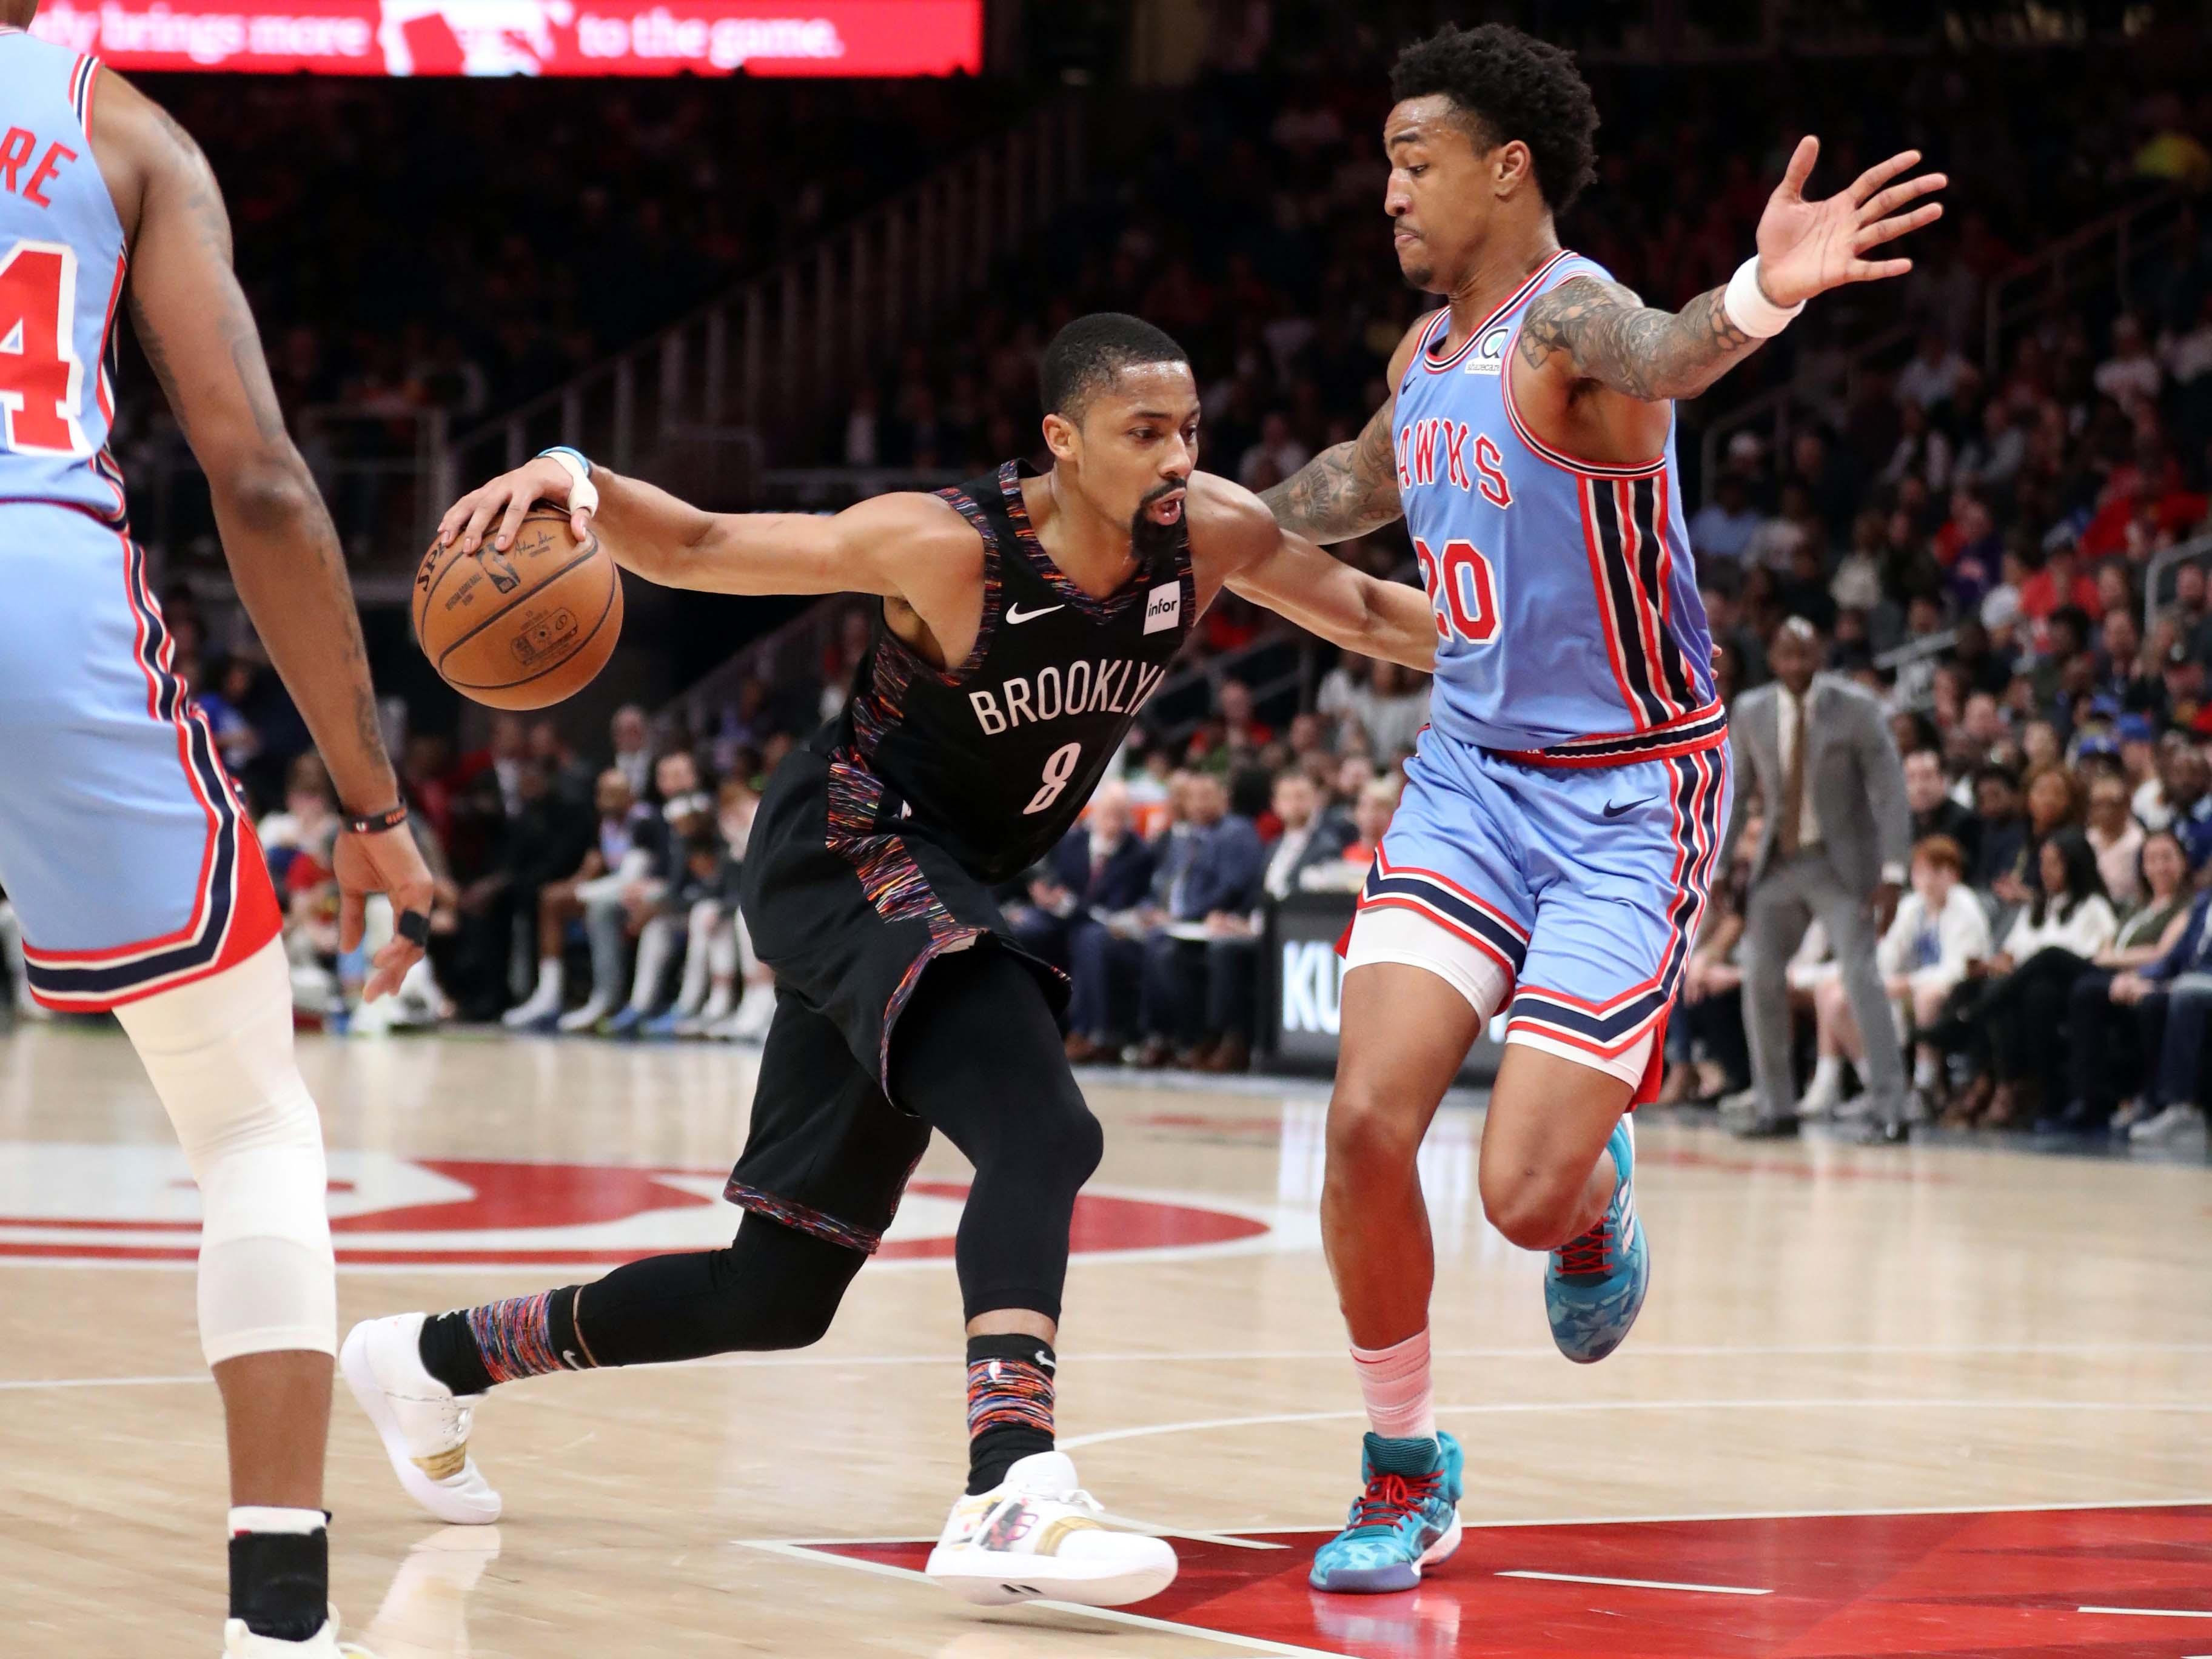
522	627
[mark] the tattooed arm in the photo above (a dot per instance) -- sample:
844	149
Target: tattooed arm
1598	330
1346	490
1349	488
193	323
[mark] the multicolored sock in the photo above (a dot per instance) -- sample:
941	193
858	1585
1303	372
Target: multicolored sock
1009	1405
472	1348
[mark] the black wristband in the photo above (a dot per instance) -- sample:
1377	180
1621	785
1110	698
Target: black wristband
368	824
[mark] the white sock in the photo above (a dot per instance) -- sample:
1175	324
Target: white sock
1923	1072
302	1524
1828	1072
1394	1381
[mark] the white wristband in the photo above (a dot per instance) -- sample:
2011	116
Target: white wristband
1749	308
583	494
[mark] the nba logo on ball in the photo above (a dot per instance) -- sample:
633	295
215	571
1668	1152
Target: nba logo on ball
1164	608
1490	352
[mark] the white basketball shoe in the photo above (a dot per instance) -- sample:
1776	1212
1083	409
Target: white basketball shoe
1038	1536
240	1643
423	1423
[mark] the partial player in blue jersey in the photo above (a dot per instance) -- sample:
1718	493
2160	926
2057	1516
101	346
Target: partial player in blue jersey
125	850
1561	820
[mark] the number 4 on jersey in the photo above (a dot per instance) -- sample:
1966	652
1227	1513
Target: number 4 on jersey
1462	592
41	381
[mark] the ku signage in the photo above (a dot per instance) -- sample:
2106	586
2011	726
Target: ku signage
1302	1005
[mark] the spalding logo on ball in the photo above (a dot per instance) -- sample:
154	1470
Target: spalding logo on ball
522	627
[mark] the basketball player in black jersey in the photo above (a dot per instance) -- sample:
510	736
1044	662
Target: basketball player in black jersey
1026	619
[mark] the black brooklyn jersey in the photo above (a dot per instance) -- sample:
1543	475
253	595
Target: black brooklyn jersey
995	758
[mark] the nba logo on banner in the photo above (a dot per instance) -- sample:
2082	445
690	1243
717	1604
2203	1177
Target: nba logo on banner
1490	352
1164	608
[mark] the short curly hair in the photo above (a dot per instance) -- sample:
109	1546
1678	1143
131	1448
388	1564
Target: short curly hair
1512	85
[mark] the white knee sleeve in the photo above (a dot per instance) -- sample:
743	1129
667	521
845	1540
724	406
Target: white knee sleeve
220	1056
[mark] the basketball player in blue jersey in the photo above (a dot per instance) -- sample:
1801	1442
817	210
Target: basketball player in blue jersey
1562	817
123	845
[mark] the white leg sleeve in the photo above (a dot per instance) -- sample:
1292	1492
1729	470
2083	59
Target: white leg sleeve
220	1056
704	914
722	947
656	943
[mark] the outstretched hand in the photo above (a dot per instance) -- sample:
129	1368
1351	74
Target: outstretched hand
1807	248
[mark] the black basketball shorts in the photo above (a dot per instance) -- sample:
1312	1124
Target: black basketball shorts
848	901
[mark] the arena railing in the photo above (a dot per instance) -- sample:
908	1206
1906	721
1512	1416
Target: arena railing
2170	559
2105	252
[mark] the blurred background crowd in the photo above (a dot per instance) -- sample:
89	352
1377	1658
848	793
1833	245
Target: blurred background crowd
1986	492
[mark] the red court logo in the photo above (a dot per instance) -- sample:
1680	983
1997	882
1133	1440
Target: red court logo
83	1204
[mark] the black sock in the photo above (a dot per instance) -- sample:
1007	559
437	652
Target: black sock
1010	1390
280	1582
472	1348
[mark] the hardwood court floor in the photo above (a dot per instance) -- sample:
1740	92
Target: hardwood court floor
1832	1333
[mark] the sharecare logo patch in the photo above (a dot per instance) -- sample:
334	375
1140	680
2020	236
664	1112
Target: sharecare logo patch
1164	608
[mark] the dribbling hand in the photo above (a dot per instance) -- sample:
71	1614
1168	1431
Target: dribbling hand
385	861
506	499
1807	248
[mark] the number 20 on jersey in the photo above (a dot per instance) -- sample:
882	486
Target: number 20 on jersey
1462	592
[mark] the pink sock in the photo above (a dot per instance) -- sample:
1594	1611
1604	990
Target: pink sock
1395	1383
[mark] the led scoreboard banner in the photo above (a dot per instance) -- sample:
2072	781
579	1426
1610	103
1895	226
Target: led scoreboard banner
526	37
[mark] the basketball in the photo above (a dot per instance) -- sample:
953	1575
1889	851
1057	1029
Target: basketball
522	627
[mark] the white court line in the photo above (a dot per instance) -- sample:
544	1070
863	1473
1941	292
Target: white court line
2152	1613
1638	1584
771	1362
18	1383
1109	1616
1534	1407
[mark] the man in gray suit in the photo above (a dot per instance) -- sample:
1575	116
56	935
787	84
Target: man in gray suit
1837	839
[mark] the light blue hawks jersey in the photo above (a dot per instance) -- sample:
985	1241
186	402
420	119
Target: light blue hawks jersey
1568	619
61	265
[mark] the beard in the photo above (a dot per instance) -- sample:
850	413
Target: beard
1157	546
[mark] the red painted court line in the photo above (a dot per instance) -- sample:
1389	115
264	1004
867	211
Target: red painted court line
2033	1584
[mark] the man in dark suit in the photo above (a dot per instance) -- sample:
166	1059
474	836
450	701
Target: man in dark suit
1186	1008
1928	793
1311	835
1100	865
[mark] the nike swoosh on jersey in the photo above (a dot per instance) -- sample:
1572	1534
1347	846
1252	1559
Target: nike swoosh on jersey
1016	615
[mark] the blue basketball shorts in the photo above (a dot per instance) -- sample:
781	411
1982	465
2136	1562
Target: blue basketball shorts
124	846
1568	896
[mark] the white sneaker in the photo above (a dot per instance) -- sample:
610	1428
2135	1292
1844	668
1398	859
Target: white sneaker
2175	1123
702	1023
1037	1536
583	1018
423	1423
1824	1093
542	1004
750	1024
240	1643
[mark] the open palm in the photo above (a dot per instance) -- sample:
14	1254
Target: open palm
1808	247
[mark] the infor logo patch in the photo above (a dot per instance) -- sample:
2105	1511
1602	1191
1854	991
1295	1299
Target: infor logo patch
1164	608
